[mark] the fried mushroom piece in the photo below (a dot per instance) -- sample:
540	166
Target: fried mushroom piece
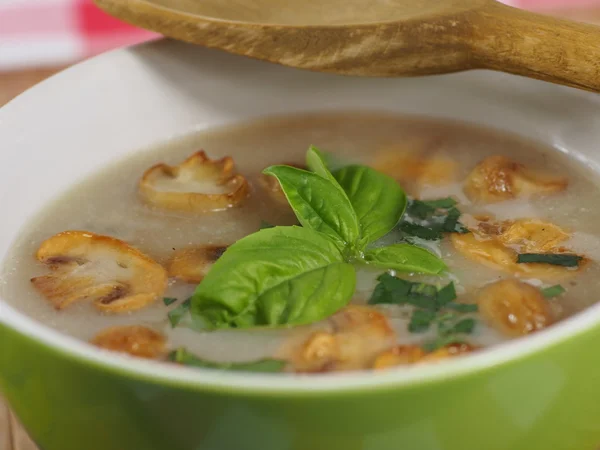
109	272
449	351
497	245
498	178
358	334
135	340
532	235
404	355
273	187
416	169
192	264
198	184
400	355
514	308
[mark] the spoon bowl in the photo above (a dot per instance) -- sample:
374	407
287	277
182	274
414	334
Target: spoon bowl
381	38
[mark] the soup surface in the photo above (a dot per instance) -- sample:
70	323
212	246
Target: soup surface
516	198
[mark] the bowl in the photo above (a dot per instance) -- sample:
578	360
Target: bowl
536	393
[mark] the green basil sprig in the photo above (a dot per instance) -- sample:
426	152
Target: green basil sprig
299	275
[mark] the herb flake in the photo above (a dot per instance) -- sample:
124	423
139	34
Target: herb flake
429	219
169	300
176	314
553	291
556	259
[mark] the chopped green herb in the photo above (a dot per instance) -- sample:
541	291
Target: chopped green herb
462	307
445	295
429	219
429	302
464	326
449	331
440	203
176	314
182	356
391	289
556	259
420	231
169	300
264	224
420	320
553	291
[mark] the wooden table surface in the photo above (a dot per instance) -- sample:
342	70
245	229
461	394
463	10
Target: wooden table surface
12	436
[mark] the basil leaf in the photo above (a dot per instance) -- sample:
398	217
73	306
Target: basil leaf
318	203
183	357
264	224
378	200
556	259
277	276
315	161
553	291
405	258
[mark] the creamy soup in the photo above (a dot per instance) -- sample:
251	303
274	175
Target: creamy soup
520	257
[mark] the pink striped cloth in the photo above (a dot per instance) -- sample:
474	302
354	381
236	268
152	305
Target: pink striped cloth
55	32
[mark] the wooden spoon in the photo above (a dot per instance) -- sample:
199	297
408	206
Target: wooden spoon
381	37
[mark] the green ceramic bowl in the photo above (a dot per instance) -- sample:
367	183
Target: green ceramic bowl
542	392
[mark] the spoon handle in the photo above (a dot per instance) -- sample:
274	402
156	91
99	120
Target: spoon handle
537	46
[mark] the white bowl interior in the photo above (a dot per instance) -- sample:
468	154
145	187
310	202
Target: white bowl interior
94	113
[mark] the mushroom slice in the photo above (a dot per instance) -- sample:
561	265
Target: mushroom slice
358	334
449	351
108	271
134	340
400	355
514	308
498	178
273	187
497	245
532	235
199	184
416	168
192	264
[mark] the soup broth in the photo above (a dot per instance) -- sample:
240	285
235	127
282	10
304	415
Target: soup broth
433	160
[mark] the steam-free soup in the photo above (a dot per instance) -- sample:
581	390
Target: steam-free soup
402	241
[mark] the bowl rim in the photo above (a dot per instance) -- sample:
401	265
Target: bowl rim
277	384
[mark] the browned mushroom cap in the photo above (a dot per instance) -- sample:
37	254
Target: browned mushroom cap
497	178
399	355
497	245
199	184
192	264
273	187
134	340
358	335
449	351
532	235
418	166
88	266
514	308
